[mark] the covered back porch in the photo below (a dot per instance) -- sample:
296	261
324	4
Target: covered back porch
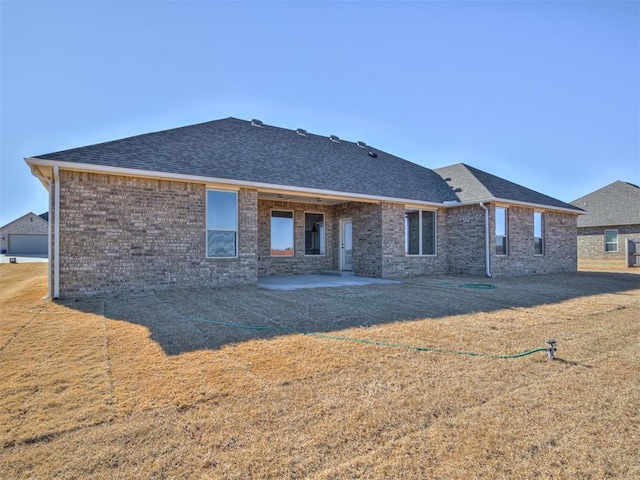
300	234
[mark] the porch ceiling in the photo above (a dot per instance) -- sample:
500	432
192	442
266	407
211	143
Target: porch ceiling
300	198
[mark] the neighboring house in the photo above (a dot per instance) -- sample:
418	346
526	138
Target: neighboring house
228	201
612	220
26	235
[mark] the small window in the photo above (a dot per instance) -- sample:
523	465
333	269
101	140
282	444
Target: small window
611	241
538	233
420	232
412	233
314	239
222	224
428	231
281	233
501	231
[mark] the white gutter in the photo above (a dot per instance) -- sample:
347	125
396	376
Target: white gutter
506	201
56	258
87	167
575	211
486	241
132	172
317	192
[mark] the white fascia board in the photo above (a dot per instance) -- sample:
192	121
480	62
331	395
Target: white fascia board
132	172
506	202
538	206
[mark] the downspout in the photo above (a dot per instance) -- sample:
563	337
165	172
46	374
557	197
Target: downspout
47	181
56	258
486	241
50	238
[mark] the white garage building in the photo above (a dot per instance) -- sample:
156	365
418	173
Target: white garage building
27	235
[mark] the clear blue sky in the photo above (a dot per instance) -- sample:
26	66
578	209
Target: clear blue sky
543	93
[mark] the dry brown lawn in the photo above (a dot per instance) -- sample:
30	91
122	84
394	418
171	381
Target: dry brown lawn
617	266
146	386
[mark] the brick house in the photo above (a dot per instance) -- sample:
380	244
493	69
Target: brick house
225	202
612	221
27	235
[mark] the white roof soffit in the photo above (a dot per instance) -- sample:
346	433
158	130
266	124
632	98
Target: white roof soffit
35	171
34	163
515	203
538	205
131	172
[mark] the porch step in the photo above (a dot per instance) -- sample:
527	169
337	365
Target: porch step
336	273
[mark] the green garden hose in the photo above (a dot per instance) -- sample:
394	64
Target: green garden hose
361	340
482	286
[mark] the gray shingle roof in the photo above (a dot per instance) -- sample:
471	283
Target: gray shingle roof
236	150
472	185
25	216
616	204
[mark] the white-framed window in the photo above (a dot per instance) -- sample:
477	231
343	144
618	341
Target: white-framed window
611	241
538	233
314	233
222	224
282	233
502	239
420	232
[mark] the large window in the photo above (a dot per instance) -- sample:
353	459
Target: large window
281	233
611	240
420	232
222	223
314	234
501	231
538	233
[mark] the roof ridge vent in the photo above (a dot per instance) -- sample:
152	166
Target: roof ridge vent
301	131
257	123
361	144
334	138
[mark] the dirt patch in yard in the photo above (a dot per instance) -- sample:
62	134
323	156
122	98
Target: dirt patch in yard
214	383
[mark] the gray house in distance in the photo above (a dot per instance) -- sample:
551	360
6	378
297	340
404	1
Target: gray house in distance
27	235
611	222
225	202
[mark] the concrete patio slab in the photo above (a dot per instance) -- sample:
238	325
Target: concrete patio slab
295	282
